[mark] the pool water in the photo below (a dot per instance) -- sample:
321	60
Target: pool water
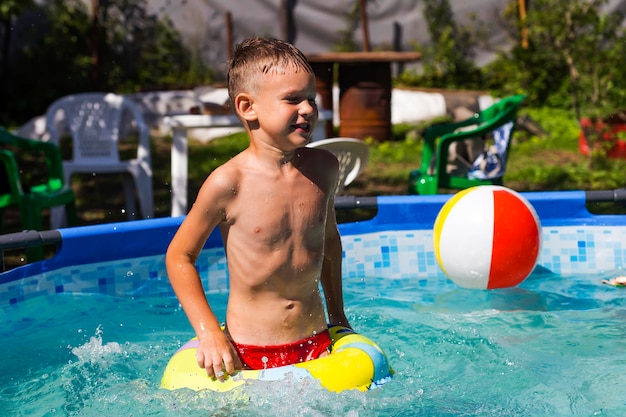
554	346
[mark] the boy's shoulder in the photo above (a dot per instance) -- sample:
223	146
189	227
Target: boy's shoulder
226	174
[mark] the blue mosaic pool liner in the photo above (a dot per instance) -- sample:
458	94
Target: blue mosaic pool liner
402	255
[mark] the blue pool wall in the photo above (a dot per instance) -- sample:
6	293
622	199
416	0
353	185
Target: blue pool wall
127	259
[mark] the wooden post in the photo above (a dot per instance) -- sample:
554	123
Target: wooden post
95	27
522	19
288	30
282	11
364	25
229	35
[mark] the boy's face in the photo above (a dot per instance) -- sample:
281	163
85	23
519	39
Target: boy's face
285	107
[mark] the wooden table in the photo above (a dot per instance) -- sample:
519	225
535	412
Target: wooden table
364	89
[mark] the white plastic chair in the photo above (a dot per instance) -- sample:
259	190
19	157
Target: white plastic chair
96	122
352	155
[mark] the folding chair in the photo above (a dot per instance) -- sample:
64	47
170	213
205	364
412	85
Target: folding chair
496	122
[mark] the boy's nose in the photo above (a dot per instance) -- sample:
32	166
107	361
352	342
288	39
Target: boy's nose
308	108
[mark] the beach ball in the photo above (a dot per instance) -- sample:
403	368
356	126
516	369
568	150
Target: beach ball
487	237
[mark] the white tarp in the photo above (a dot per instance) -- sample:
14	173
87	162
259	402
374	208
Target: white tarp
393	24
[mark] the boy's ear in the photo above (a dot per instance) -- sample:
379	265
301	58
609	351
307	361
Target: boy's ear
244	107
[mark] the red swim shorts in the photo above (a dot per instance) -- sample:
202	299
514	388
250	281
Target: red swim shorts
263	357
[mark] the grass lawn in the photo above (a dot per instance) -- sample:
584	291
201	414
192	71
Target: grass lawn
535	163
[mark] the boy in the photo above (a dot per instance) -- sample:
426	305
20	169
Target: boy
274	206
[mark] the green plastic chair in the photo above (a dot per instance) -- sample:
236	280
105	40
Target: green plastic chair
499	120
32	200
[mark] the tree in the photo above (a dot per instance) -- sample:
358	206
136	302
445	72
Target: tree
9	9
53	59
135	51
572	58
448	60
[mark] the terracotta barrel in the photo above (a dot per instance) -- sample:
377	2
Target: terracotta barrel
365	102
364	89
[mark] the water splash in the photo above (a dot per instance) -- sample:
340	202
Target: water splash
95	351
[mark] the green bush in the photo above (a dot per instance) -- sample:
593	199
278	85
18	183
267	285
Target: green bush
133	51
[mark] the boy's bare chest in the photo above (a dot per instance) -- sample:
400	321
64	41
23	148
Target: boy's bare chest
279	210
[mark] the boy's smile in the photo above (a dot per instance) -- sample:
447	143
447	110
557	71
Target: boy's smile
303	127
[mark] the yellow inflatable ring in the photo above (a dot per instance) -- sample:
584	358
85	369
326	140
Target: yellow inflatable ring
355	362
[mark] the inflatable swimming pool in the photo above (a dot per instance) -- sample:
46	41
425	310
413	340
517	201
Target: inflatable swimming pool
355	362
553	345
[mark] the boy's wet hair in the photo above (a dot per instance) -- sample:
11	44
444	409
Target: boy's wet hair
256	56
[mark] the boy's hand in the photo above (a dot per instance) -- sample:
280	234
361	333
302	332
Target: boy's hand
217	355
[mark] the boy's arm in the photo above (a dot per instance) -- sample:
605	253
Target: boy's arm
215	353
331	270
